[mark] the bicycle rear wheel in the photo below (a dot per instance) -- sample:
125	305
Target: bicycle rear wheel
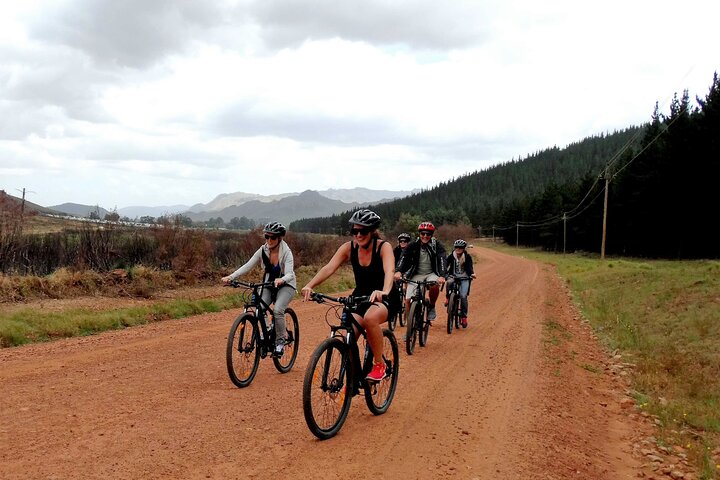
243	350
285	363
411	330
378	396
452	312
327	388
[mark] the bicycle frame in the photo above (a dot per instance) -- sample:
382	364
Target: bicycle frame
348	325
260	309
336	372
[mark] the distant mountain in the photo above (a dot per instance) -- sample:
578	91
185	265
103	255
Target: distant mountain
348	195
140	211
79	210
7	199
225	200
307	204
364	195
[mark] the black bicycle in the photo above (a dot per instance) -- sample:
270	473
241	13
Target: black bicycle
453	307
418	325
251	338
336	373
399	315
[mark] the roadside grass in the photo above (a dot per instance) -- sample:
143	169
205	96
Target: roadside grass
32	324
665	317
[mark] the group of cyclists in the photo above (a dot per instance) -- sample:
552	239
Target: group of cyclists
376	268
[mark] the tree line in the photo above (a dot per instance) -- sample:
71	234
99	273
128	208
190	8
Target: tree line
660	197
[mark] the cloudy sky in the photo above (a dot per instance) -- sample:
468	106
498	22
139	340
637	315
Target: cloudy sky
162	102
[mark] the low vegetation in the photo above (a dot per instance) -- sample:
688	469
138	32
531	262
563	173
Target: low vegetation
663	317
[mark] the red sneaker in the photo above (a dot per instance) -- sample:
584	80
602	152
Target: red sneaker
463	322
377	373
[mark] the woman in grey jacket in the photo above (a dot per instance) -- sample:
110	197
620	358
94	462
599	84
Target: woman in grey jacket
275	254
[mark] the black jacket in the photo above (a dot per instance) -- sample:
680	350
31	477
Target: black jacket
451	265
409	260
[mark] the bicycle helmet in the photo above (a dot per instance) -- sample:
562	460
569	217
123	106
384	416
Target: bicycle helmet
460	243
404	236
426	227
275	228
366	218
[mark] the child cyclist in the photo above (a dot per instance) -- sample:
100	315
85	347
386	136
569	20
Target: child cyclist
275	254
373	265
459	265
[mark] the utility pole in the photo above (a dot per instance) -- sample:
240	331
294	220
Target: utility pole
564	231
517	234
605	208
493	233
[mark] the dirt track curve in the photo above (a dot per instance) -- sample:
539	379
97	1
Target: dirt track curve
524	393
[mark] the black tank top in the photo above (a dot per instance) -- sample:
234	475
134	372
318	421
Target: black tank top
371	277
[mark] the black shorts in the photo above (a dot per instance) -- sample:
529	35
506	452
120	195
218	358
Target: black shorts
391	302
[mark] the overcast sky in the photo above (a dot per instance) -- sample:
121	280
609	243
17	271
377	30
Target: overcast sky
162	102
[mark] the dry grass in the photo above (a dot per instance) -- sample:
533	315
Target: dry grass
664	316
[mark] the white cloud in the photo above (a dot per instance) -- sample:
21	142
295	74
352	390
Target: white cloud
175	102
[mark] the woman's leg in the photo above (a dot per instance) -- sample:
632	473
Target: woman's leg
375	316
282	299
464	289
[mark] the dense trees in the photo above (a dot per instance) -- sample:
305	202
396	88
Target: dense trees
661	197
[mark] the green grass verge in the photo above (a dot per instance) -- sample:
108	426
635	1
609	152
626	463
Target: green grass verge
30	325
33	325
663	316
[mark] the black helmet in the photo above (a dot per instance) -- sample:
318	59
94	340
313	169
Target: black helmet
460	243
366	218
404	236
275	228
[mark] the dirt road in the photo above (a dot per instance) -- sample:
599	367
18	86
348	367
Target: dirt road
524	393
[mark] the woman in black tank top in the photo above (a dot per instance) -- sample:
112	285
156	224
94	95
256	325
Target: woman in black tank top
373	265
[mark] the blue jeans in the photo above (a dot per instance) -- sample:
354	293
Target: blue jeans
464	288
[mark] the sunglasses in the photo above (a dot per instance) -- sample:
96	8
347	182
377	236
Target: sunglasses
426	234
402	241
360	231
270	237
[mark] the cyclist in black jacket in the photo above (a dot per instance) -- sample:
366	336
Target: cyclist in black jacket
403	242
424	260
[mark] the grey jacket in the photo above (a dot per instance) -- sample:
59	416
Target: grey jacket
287	268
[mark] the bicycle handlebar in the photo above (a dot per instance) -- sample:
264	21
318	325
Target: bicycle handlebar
349	300
240	283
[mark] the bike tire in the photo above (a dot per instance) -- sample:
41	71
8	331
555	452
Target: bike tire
401	314
424	327
411	331
392	321
379	396
452	312
243	350
328	388
457	312
285	363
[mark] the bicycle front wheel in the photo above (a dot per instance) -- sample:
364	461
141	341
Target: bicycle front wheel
452	312
401	313
392	321
411	331
423	327
378	396
327	388
243	350
292	340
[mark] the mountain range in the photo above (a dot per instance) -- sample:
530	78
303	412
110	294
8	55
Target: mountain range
284	207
